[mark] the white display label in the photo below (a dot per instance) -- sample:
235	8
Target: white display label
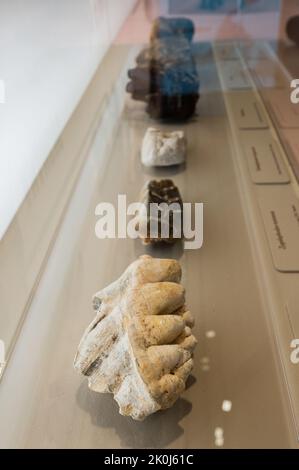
280	212
234	75
247	110
264	158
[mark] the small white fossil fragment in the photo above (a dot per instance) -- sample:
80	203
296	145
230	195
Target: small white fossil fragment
139	346
161	148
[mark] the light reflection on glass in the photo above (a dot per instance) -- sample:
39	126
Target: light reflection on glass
205	364
210	334
227	406
205	360
219	439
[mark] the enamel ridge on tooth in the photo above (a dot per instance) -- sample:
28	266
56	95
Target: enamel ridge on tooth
139	346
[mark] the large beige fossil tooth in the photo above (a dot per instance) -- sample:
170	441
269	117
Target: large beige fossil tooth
139	345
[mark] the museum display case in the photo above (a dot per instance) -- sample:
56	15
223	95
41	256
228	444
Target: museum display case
194	104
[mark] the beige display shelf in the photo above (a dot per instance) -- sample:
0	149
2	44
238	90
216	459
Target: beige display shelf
44	403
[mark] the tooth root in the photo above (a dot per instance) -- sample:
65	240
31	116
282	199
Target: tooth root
171	386
184	371
189	319
189	343
90	353
163	329
180	311
185	357
186	332
167	358
163	298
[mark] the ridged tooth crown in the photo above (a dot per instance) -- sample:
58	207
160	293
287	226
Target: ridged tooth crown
139	346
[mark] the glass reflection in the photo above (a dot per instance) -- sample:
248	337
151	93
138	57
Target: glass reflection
219	437
227	406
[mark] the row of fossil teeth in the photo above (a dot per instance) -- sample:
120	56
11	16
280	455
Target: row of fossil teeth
139	346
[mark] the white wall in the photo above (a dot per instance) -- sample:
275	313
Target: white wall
49	51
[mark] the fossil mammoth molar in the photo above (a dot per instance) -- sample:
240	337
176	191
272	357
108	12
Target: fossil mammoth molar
139	345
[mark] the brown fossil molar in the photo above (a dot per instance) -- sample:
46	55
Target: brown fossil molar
168	223
139	345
